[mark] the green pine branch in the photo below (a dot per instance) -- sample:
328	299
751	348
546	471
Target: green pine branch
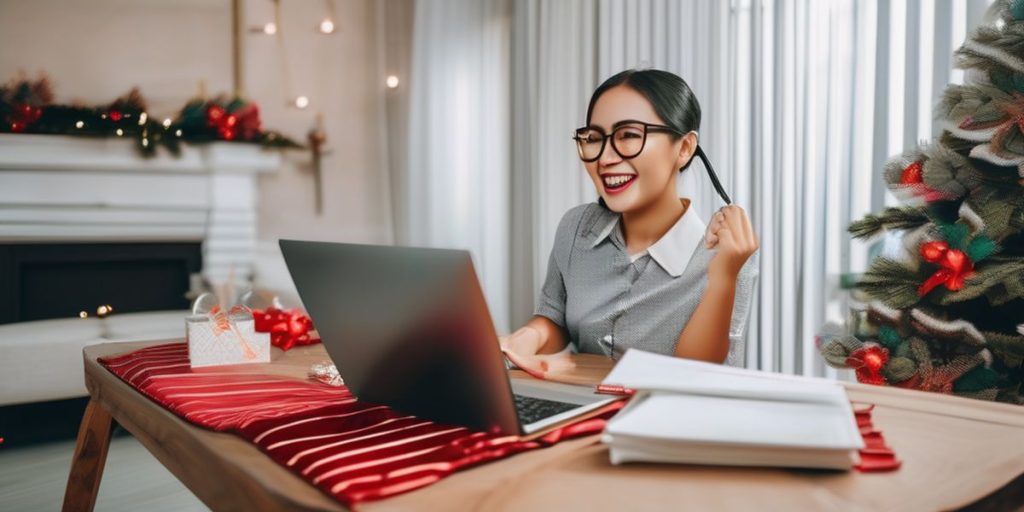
892	283
906	217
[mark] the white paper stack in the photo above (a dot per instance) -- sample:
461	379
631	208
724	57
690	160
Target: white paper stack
701	413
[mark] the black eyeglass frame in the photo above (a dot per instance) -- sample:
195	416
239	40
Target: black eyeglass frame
629	123
657	128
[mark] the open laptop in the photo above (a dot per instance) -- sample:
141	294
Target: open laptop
409	328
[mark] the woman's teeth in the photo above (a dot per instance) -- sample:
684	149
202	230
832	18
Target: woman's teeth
616	181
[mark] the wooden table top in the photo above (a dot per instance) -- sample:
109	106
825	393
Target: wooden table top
954	451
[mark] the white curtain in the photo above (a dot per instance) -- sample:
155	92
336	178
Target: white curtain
802	103
453	187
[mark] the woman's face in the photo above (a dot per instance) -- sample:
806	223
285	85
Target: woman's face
638	182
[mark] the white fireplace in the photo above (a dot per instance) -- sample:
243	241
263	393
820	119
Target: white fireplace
68	190
60	189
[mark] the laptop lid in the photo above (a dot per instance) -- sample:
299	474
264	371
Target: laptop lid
408	328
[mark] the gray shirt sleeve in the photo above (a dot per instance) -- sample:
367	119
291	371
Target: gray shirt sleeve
746	282
551	303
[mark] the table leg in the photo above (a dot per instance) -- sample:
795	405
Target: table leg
90	456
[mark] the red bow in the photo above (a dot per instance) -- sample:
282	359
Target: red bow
868	362
956	267
243	123
287	328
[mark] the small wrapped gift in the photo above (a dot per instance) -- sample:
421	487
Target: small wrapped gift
218	337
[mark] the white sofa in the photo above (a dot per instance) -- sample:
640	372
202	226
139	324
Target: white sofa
42	360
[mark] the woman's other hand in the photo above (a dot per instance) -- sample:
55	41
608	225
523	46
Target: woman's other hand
732	236
522	349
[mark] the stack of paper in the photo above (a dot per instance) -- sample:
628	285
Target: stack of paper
700	413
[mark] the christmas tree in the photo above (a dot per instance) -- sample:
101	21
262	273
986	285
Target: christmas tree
948	316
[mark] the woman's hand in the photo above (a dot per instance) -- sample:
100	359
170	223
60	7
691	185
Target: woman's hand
522	347
733	237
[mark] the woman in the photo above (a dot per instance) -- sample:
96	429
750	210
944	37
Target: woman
640	268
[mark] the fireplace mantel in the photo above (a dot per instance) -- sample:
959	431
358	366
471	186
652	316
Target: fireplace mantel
73	189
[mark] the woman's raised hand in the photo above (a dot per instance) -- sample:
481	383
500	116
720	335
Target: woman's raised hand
732	236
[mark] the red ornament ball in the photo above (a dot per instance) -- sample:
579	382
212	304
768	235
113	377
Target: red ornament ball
115	115
912	174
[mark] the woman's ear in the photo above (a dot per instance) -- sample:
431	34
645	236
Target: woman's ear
687	150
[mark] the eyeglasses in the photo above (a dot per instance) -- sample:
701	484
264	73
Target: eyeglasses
628	139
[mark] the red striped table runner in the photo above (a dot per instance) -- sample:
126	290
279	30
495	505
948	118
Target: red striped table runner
351	450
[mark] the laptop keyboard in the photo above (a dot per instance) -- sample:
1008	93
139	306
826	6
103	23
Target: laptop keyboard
530	409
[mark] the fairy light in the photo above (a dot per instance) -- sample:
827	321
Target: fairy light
177	133
327	26
392	81
270	28
142	118
119	132
167	123
79	124
83	314
302	102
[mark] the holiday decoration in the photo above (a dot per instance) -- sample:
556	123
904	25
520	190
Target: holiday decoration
218	337
947	316
287	327
26	106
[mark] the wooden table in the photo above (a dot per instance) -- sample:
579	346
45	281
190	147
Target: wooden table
955	452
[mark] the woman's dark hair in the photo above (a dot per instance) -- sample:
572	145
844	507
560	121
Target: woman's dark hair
669	94
672	100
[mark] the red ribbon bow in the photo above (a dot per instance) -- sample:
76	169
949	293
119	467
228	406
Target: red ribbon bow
956	267
287	328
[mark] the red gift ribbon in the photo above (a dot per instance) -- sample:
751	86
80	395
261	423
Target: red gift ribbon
956	267
222	323
287	328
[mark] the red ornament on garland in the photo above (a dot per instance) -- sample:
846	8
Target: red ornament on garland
912	174
956	267
115	115
24	116
867	362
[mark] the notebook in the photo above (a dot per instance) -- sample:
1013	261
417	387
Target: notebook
701	413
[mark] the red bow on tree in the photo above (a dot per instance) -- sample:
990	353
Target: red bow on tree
868	361
956	267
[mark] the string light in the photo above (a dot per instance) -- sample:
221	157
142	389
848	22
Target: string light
79	124
83	314
270	28
142	118
119	132
392	81
177	133
302	102
327	26
167	123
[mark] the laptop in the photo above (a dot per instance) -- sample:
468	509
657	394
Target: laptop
409	328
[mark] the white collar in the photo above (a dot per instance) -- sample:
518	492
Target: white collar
675	248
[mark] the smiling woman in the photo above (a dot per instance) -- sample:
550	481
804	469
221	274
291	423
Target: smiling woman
631	270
